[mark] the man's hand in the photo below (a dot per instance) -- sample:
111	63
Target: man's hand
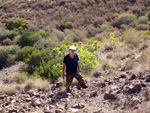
79	67
79	70
63	75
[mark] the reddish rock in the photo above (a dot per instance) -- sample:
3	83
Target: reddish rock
123	76
147	79
135	87
133	77
93	94
112	95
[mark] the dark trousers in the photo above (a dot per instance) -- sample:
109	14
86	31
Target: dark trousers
69	79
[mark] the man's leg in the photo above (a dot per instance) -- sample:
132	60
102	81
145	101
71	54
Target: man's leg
80	80
69	79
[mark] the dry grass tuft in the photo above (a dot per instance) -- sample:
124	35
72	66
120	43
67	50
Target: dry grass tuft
7	89
33	83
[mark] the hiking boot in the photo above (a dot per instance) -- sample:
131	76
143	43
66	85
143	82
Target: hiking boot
78	87
85	87
68	90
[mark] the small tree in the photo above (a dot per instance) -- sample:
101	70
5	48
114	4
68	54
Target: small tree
112	43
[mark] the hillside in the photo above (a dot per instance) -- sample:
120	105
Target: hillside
112	40
81	13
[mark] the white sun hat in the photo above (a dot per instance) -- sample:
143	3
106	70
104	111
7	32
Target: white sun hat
72	47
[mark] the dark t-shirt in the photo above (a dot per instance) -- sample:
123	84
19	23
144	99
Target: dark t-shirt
71	64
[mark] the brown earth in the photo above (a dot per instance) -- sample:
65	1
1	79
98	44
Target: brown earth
123	94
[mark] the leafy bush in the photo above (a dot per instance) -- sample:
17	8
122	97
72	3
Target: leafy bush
103	27
65	25
38	55
47	62
142	20
45	42
4	53
86	55
50	28
92	46
16	24
62	49
142	27
50	69
24	53
41	61
148	15
91	31
28	39
127	19
6	41
10	49
4	33
45	35
3	57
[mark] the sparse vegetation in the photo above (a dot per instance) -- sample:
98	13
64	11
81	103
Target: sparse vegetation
35	36
23	83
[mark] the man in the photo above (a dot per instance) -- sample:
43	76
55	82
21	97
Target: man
71	61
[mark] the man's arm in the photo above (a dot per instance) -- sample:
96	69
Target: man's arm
63	70
79	67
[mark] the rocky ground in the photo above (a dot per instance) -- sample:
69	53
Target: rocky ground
125	93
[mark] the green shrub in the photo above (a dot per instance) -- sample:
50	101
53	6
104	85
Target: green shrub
41	61
3	57
91	31
65	25
92	46
127	19
50	28
10	49
45	35
148	15
147	33
28	39
47	62
86	53
142	20
4	33
38	55
6	41
103	27
142	27
21	78
50	70
4	53
24	54
45	42
16	24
